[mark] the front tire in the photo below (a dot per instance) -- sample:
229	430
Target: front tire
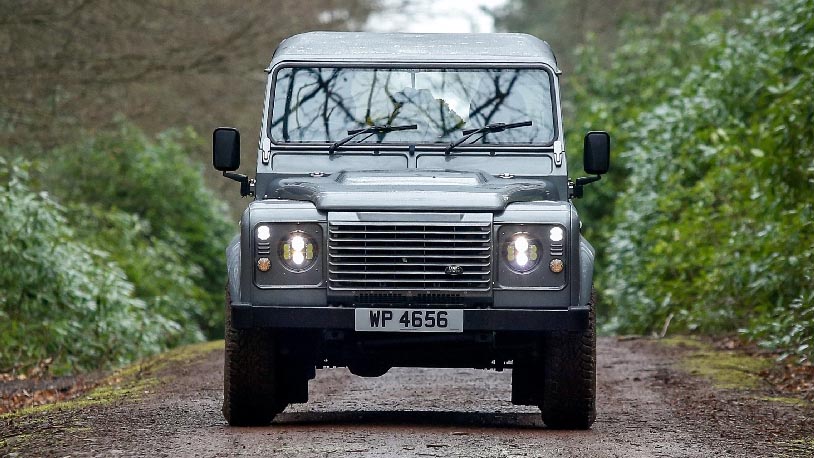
569	387
251	379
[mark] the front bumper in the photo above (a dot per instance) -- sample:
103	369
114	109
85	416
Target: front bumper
246	316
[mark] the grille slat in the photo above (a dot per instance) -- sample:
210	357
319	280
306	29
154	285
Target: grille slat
399	240
409	256
405	232
394	264
412	280
396	272
442	249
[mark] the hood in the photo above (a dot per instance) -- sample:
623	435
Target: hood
418	190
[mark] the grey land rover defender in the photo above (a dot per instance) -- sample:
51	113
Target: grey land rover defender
412	208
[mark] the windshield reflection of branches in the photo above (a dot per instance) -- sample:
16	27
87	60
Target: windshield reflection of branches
321	104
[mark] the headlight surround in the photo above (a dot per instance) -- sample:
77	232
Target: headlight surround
522	252
536	273
269	263
298	251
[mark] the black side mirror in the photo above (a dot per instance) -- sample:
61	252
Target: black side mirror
226	149
597	153
597	160
226	157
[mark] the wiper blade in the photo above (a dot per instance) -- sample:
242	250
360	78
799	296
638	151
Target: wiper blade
353	133
489	128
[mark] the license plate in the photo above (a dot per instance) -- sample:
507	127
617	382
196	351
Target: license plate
410	320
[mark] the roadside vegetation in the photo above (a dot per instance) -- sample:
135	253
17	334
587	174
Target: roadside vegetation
100	265
706	222
111	231
112	223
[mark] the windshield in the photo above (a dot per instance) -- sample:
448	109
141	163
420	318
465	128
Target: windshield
317	105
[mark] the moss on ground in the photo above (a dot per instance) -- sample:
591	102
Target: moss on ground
684	342
13	442
130	382
786	400
799	447
725	368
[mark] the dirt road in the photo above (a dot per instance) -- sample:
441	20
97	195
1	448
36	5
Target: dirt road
646	408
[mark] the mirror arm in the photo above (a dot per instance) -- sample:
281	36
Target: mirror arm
578	186
246	185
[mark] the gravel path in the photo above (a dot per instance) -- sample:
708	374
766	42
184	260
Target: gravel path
645	409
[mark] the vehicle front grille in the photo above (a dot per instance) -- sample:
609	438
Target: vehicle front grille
410	256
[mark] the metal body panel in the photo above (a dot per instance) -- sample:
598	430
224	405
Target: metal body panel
233	268
416	190
518	165
539	213
308	163
586	270
414	47
276	212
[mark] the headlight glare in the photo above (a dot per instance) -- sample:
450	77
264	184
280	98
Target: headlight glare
297	243
263	233
298	251
521	244
522	252
556	234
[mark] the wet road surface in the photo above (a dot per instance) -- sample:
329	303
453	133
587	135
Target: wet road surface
645	409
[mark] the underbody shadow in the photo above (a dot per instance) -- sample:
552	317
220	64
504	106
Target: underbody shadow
415	417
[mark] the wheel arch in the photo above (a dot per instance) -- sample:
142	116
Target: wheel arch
233	268
587	253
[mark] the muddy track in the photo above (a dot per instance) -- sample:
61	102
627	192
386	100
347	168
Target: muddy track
645	408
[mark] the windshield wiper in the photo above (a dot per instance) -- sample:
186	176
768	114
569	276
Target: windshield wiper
489	128
353	133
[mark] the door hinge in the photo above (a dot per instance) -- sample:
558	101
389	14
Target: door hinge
559	151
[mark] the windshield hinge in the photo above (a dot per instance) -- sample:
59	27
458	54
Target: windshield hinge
265	147
559	150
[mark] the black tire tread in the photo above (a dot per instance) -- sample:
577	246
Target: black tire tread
569	386
250	376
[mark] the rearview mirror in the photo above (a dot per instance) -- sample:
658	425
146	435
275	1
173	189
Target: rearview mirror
226	149
597	153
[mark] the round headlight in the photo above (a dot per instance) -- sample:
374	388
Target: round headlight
522	252
298	251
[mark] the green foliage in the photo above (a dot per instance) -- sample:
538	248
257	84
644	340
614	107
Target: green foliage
59	297
122	257
713	224
706	214
177	227
158	270
570	24
611	90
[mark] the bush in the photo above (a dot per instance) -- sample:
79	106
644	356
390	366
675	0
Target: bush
613	92
714	223
122	257
61	299
177	222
